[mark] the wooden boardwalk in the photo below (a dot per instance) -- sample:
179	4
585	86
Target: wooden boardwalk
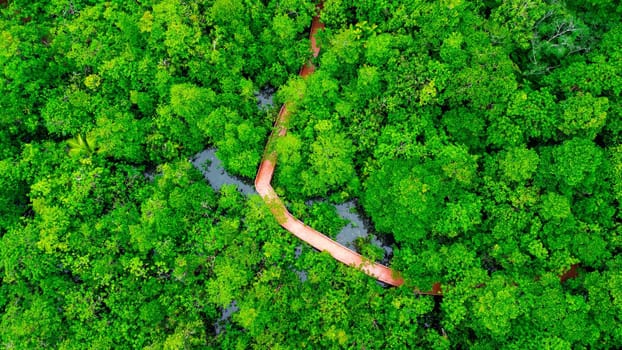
316	239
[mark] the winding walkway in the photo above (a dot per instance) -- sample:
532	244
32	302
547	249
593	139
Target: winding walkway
315	238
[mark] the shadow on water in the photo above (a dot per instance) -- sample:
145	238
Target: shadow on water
302	274
265	97
359	227
225	316
213	171
149	175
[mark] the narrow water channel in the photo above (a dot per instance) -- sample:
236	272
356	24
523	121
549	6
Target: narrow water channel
211	167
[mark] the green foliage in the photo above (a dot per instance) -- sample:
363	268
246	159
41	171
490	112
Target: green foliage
576	162
484	137
330	161
81	146
519	164
583	115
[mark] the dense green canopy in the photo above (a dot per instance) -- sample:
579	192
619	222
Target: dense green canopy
484	137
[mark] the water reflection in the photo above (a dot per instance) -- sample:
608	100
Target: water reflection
264	97
149	175
213	171
225	316
357	228
302	275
